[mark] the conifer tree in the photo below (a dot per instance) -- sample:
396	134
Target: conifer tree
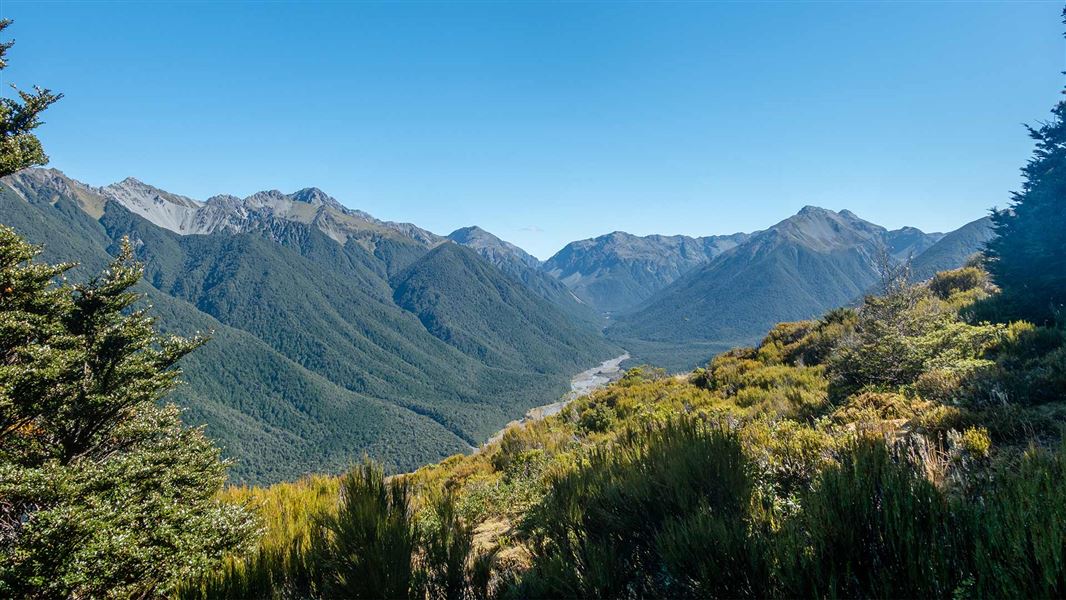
103	491
1027	259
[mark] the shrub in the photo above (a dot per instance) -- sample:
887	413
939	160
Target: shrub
872	527
597	418
873	406
946	283
634	520
975	441
784	453
448	543
365	549
1020	537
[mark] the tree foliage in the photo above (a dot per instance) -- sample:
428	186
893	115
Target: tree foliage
1027	258
103	491
19	148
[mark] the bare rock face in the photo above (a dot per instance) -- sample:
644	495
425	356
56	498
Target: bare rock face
225	213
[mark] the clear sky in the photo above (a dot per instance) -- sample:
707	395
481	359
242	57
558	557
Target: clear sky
550	122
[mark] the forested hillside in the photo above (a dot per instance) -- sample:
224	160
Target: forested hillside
515	262
476	308
312	361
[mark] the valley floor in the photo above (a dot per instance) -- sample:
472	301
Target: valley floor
580	385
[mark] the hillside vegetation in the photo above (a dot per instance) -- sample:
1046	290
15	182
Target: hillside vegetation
880	451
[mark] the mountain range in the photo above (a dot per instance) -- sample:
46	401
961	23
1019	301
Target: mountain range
796	269
335	333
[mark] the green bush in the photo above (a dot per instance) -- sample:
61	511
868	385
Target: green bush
365	549
1020	531
635	520
947	283
872	527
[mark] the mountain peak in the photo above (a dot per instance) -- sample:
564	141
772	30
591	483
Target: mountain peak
468	233
810	209
131	181
491	247
134	192
267	196
823	229
315	196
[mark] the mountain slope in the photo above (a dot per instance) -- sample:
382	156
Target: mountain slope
526	269
492	248
908	242
953	249
274	417
797	269
319	304
474	307
618	271
313	362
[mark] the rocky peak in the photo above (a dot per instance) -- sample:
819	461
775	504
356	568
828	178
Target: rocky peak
823	229
315	196
491	247
134	191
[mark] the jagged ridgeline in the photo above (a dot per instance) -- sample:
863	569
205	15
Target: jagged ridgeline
334	334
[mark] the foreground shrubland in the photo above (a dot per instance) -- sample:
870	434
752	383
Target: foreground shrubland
904	448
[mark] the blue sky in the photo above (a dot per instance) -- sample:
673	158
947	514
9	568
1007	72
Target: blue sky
550	122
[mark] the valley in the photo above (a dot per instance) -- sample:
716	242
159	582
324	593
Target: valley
596	300
412	346
580	385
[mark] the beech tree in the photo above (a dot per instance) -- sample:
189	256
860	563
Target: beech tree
103	491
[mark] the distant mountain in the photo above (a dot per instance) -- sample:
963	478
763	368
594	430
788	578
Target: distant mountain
334	333
476	308
524	267
797	269
618	271
908	242
953	249
229	214
492	248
